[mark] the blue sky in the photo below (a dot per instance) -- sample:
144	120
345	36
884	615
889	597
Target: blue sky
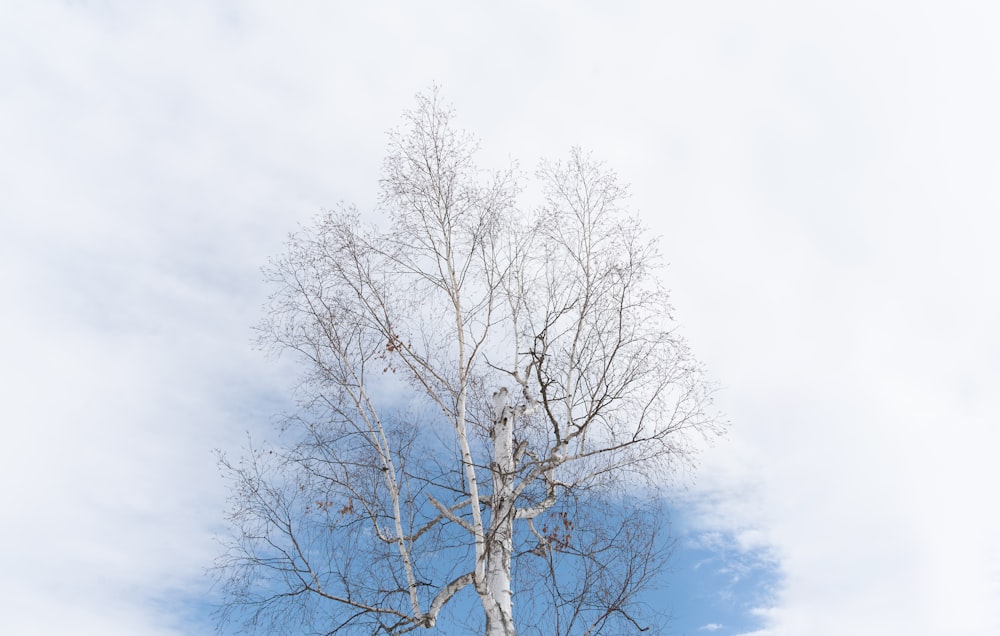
824	176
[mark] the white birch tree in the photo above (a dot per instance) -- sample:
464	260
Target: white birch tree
481	385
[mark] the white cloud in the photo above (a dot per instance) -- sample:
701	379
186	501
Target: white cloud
710	627
854	353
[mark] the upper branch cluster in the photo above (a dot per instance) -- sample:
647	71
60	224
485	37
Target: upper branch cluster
475	375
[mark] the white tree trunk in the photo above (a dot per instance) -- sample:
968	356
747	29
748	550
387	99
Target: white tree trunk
498	601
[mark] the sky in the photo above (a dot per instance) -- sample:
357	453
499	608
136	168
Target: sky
824	176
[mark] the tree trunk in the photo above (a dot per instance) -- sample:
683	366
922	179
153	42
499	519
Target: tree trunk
498	601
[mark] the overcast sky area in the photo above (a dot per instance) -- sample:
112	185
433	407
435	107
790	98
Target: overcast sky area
825	177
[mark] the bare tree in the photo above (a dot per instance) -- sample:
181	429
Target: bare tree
482	387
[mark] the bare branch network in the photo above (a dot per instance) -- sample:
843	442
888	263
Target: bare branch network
492	400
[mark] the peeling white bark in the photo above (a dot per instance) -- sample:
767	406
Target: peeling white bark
498	601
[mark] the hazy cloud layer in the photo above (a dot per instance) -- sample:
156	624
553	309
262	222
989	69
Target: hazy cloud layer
824	176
